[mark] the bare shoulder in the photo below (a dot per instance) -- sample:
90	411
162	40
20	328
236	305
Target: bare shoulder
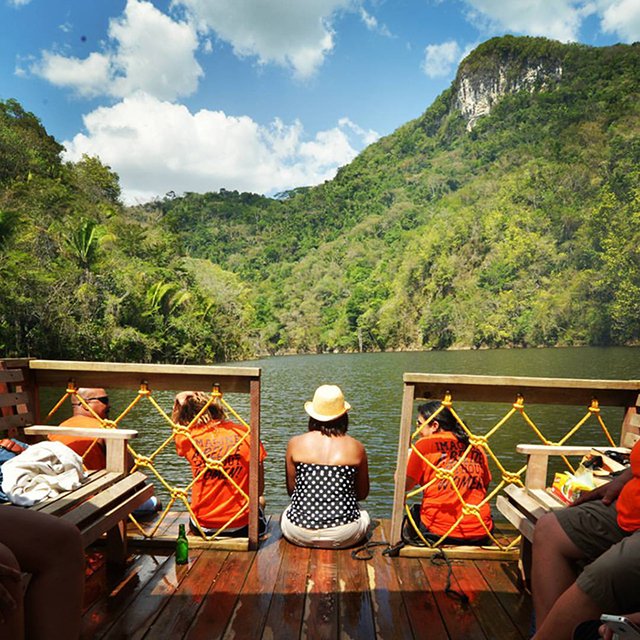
298	443
356	446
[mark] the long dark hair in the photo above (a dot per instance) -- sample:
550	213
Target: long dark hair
337	427
445	419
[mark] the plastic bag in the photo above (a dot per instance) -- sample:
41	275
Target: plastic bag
568	487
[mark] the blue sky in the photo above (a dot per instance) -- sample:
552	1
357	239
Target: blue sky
255	95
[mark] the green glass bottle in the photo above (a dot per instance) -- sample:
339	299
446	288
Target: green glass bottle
182	547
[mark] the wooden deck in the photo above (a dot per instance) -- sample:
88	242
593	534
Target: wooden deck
282	591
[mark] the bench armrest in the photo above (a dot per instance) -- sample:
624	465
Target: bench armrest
552	450
538	460
80	432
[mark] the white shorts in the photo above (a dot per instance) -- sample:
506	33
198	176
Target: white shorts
339	537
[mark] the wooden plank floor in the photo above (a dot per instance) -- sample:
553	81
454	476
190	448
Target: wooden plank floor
282	591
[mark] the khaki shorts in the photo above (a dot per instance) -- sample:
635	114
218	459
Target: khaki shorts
340	537
613	574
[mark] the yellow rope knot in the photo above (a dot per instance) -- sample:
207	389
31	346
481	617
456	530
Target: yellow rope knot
595	406
214	465
512	478
519	403
143	461
144	389
178	494
478	441
443	473
179	429
447	400
470	509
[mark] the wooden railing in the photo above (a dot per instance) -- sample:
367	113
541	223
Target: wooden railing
41	374
590	394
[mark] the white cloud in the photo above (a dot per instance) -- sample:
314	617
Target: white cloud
298	34
441	59
156	146
149	52
622	17
19	3
372	23
557	19
88	77
368	136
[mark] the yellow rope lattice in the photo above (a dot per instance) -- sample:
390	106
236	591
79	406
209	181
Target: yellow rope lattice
440	474
147	462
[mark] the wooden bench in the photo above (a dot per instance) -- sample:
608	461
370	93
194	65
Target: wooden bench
103	503
523	506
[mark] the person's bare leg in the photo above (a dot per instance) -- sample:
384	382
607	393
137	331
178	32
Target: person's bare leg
52	552
573	606
11	603
551	566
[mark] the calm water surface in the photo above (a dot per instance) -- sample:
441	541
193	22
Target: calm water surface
372	383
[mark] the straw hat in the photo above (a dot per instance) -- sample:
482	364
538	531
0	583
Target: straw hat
328	403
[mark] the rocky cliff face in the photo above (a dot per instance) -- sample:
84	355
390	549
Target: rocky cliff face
477	89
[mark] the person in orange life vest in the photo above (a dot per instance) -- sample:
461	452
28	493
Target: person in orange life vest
92	451
599	534
444	443
215	500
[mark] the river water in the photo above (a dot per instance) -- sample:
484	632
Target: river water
372	384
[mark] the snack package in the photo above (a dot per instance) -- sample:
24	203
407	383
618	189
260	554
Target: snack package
567	487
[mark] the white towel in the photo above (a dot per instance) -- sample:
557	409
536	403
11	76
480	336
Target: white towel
43	471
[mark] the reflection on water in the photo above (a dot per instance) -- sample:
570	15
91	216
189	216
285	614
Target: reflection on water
372	383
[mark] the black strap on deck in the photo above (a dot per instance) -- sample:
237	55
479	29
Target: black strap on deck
461	596
365	552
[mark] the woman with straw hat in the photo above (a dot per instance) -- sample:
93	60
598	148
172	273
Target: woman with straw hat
327	473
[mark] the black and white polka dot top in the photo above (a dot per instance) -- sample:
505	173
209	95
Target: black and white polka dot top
324	496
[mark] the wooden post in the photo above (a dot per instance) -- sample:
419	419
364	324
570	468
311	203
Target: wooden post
254	463
401	465
117	544
536	476
630	432
117	457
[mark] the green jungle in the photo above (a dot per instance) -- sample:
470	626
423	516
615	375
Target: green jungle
522	230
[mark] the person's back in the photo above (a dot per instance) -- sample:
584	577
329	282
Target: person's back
315	447
327	473
443	499
218	496
445	445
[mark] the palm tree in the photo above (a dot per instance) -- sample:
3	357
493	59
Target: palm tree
84	243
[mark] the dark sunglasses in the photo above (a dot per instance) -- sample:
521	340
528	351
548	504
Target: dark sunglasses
103	399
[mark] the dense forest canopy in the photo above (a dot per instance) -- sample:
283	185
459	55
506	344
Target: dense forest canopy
514	228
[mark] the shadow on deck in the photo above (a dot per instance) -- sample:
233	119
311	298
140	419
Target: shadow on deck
283	591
